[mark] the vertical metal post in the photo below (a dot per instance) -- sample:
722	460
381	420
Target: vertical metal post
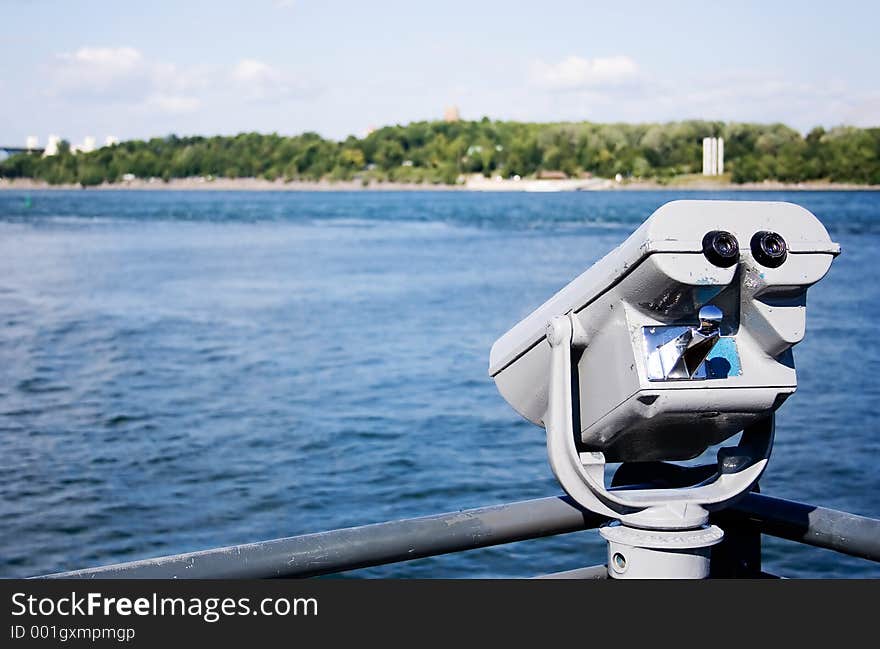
738	556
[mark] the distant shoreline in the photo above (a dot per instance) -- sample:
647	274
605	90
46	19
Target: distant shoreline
486	185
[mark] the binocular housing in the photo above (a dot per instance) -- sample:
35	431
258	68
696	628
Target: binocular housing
685	330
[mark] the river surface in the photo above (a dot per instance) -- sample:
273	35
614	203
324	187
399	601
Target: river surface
185	370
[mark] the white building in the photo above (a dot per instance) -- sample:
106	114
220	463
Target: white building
713	156
87	146
32	142
52	145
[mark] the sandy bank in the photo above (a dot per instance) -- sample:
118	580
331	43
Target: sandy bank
478	184
230	184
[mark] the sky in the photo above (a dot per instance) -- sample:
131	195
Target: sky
143	69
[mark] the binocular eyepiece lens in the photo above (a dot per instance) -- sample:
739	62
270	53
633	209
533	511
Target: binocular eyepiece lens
769	249
721	248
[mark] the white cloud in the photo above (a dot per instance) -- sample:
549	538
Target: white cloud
253	71
98	71
616	89
763	98
575	72
120	75
105	60
170	78
259	81
90	78
173	104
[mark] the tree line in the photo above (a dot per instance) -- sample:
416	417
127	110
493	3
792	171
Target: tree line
441	152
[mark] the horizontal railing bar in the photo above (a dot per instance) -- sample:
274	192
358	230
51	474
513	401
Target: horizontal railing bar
382	543
843	532
360	547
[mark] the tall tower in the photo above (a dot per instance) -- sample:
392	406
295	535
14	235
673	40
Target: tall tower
451	114
713	156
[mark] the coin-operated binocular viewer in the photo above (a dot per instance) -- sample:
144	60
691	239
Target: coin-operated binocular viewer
677	340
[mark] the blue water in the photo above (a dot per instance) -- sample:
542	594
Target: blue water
181	371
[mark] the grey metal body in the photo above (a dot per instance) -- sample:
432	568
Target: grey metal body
673	342
659	277
372	545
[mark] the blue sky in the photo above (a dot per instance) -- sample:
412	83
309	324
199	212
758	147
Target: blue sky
153	68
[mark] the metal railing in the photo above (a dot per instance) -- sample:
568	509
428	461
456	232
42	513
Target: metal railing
340	550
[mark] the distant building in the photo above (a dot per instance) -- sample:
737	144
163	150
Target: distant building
87	146
451	114
52	145
713	156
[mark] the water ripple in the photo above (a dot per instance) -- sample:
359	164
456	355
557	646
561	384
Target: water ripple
183	371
